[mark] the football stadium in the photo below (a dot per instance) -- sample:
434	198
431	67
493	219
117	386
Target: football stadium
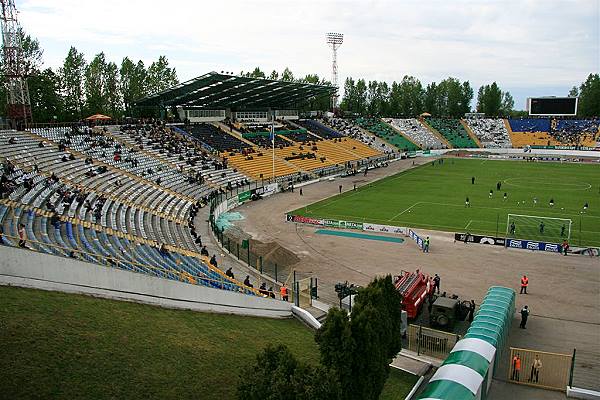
259	236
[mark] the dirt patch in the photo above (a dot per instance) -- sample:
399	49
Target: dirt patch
272	253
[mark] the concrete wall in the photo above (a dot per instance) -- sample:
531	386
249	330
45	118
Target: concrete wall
42	271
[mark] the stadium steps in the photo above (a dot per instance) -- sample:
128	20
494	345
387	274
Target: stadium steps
510	132
124	140
113	169
261	164
401	133
436	133
376	139
454	131
358	148
97	246
19	211
129	145
86	224
84	189
470	132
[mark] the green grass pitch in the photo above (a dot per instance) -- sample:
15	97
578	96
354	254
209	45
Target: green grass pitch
433	197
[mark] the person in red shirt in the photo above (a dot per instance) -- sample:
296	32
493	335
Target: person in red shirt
516	367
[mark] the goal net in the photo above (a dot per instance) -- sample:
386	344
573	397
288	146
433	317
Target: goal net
542	229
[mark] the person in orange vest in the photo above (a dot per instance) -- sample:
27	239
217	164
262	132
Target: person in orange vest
516	367
524	284
283	291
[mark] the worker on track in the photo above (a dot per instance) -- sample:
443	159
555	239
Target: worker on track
524	284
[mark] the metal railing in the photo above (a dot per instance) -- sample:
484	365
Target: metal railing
551	371
430	342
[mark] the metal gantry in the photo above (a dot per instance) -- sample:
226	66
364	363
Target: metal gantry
15	81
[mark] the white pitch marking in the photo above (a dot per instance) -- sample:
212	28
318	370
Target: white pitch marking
402	212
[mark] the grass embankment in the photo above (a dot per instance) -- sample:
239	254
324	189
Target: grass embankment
66	346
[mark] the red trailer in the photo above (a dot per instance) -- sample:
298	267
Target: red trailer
414	288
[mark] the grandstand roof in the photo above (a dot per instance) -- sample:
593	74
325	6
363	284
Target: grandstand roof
219	91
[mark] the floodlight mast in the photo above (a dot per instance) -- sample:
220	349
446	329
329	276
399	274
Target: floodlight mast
334	40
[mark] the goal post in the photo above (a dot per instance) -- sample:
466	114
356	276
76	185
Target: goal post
538	228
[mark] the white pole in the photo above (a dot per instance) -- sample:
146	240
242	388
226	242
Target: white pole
273	142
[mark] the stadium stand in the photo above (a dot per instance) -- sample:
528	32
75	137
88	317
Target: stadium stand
319	129
258	164
530	125
347	128
418	133
299	158
387	133
554	132
264	141
492	133
453	131
180	152
531	132
73	204
215	137
301	137
576	132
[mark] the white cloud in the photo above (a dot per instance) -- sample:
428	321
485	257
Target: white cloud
519	43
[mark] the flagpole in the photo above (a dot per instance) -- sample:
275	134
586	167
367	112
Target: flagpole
273	143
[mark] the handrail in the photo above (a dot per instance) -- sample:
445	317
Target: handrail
113	262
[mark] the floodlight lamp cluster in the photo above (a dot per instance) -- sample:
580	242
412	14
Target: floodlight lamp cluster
335	38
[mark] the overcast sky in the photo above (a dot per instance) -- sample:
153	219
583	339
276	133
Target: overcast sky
530	47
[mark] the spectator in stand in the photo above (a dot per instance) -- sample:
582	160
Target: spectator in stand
22	236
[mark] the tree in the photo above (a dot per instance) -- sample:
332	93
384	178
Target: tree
311	78
361	97
32	54
410	96
574	92
287	75
277	374
113	95
349	101
72	80
492	101
358	351
44	93
257	73
274	75
132	80
95	85
160	76
508	104
431	96
589	97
